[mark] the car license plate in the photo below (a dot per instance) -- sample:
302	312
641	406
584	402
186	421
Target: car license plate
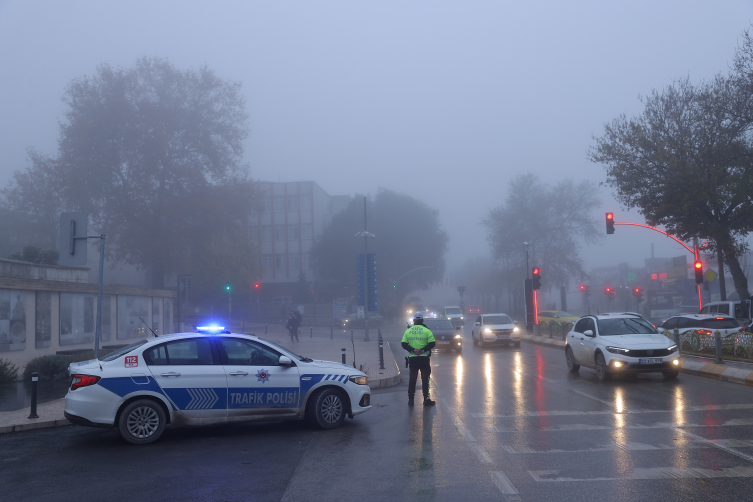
652	360
443	343
503	336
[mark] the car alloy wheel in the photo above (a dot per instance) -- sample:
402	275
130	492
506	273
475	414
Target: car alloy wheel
327	408
142	422
572	366
601	368
331	408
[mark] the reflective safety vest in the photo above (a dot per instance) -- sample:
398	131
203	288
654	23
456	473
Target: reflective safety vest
418	337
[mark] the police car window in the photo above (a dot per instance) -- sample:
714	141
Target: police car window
120	352
723	309
247	353
580	326
191	352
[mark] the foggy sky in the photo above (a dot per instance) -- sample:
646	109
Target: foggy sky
443	100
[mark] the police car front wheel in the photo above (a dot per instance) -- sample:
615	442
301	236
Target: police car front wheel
328	409
142	422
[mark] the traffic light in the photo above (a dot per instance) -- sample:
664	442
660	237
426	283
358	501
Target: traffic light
227	288
257	285
584	289
638	294
698	267
610	223
609	292
536	274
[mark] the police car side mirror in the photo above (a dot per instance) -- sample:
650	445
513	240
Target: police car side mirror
285	361
477	324
588	332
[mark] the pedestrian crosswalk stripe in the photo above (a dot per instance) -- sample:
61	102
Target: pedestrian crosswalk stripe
503	483
596	427
708	407
652	473
483	457
614	447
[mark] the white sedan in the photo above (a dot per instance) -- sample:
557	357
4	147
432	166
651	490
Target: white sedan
191	379
620	344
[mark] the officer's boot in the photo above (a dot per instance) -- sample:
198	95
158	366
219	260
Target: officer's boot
428	401
410	400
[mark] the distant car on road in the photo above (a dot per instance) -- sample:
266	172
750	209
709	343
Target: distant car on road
454	314
191	379
497	329
447	336
620	344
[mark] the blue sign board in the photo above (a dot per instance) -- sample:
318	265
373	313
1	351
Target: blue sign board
366	278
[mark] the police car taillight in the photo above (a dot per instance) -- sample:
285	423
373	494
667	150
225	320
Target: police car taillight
78	381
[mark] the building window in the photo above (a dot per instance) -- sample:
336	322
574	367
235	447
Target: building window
292	232
280	233
12	320
305	202
279	204
295	261
77	318
280	262
168	316
293	203
130	310
306	231
156	317
263	205
267	261
43	315
305	261
266	233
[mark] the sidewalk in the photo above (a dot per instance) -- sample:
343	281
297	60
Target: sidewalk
730	371
319	347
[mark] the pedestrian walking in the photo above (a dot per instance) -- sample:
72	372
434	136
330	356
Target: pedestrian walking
418	340
292	326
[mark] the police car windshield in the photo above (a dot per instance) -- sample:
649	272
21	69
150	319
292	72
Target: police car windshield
624	326
433	324
497	319
287	352
125	350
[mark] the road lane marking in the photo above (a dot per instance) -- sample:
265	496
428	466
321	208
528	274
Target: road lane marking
715	444
597	427
610	447
457	421
503	483
707	407
483	457
652	473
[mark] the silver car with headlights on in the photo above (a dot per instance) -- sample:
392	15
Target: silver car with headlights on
496	329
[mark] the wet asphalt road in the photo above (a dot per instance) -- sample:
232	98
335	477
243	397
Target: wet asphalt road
511	424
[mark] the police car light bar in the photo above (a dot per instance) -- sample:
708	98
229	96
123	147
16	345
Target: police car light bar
210	329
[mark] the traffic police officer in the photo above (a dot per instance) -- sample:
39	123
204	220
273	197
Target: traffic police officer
418	340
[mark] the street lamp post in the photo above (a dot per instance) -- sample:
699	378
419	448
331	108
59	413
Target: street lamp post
365	234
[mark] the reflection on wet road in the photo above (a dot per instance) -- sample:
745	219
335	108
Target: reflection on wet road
520	427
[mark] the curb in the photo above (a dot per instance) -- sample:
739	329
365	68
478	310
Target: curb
721	372
34	425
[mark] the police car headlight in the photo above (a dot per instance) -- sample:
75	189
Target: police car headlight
487	330
359	380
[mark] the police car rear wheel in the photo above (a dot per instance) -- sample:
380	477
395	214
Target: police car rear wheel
142	422
328	409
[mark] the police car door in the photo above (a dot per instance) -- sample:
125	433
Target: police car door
257	384
190	374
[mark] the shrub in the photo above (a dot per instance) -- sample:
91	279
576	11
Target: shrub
55	366
8	372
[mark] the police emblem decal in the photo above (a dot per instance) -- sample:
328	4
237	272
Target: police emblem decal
262	375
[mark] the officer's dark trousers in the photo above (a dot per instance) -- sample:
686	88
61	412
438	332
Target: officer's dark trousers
415	364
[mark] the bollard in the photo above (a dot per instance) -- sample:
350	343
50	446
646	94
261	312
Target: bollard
718	344
351	335
331	332
381	351
34	382
311	333
343	351
265	328
550	330
677	339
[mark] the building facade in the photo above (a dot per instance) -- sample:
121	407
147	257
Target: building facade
289	218
49	309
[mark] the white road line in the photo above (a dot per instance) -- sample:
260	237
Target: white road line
652	473
503	483
715	444
598	427
457	421
708	407
483	457
612	447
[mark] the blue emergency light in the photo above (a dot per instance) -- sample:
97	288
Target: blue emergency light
211	329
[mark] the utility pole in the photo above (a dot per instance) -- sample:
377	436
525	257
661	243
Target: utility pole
365	234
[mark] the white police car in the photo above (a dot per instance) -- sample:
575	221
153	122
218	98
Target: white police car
191	379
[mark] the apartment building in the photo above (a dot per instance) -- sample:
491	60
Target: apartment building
289	217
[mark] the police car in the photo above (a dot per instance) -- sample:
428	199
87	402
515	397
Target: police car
209	377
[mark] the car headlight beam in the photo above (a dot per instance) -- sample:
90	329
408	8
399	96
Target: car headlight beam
487	330
618	350
359	380
672	348
458	336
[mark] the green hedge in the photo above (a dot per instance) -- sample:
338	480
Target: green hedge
8	372
55	366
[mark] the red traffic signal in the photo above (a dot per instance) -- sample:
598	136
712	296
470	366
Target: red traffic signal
582	287
638	294
698	268
610	223
536	282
